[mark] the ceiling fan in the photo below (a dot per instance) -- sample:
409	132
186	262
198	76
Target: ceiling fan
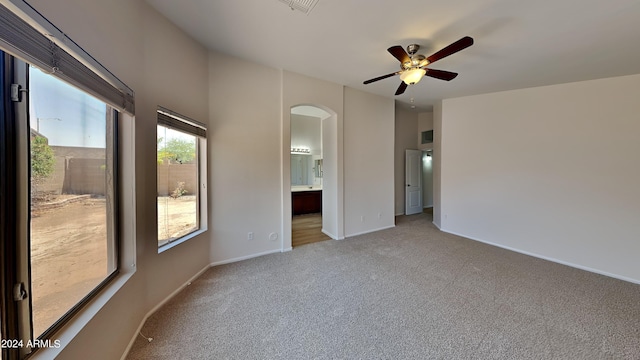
414	66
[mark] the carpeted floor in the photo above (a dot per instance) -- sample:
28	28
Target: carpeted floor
411	292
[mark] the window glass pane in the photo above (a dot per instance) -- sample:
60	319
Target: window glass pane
71	223
177	184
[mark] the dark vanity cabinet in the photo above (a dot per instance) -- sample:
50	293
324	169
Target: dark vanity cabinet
306	202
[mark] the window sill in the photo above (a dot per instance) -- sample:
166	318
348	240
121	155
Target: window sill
83	317
175	243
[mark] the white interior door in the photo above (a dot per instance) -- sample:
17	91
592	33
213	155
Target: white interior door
413	182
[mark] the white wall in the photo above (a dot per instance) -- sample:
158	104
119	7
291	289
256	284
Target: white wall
406	128
436	163
551	171
250	152
245	157
425	123
368	162
154	58
306	131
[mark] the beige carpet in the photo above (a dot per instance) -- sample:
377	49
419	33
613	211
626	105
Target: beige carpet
411	292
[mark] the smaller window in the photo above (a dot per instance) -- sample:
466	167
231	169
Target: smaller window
181	173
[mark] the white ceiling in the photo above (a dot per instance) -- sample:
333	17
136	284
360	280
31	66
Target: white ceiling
518	43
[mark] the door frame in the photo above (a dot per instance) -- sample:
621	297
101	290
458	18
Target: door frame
332	180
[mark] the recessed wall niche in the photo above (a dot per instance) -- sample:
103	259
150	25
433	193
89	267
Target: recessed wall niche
426	137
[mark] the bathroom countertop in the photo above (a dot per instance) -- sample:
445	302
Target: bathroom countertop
298	188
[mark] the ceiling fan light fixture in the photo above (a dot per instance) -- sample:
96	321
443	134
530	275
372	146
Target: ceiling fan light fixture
304	6
412	76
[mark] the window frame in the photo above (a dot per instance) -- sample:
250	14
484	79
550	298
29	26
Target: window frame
16	192
29	36
177	122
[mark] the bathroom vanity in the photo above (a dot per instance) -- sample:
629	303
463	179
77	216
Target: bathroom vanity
306	200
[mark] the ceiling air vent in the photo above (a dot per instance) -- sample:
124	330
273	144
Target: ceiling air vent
304	6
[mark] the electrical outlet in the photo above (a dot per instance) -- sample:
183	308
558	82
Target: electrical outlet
362	218
250	235
379	215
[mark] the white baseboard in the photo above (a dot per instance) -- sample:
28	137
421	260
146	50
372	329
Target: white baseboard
247	257
328	234
562	262
158	306
370	231
287	249
334	237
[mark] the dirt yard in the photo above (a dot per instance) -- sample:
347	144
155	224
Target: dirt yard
176	217
69	250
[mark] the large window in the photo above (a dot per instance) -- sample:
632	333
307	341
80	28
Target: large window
62	242
181	175
59	228
72	234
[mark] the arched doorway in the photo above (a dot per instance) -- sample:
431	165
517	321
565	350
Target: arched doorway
312	171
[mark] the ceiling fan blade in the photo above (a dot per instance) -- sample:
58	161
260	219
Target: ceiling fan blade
399	53
461	44
401	88
441	74
380	77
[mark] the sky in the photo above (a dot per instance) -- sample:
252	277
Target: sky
70	117
64	114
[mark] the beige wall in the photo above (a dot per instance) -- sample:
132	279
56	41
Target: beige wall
154	58
550	171
170	175
436	163
368	162
250	157
306	131
425	123
82	177
245	157
406	128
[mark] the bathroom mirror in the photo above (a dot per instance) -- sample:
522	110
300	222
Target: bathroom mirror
301	169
